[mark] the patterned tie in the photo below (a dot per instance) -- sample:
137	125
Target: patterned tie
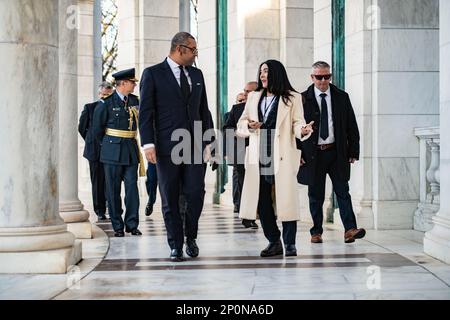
324	118
185	88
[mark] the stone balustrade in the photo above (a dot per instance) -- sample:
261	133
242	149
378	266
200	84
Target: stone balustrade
429	177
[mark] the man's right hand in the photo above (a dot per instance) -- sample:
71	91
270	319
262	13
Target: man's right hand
150	155
302	162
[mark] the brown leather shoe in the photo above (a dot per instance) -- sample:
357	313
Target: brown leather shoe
353	234
316	238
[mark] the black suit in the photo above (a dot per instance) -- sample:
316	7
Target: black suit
333	161
163	110
234	149
92	154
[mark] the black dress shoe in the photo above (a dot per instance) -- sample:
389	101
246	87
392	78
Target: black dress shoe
192	248
176	255
119	234
273	249
102	217
247	223
148	210
136	232
290	250
253	225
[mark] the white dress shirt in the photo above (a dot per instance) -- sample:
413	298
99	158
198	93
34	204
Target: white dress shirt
175	67
330	138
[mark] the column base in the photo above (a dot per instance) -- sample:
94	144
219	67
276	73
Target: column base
437	241
41	262
393	215
81	230
424	215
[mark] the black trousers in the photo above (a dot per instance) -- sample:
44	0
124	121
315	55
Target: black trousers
188	179
152	183
115	174
238	184
326	164
97	174
268	219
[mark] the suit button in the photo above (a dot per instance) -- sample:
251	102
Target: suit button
281	159
110	141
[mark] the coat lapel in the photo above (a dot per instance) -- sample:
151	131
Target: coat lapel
195	79
334	103
283	111
171	78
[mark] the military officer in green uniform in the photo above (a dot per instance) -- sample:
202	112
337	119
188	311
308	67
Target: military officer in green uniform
115	127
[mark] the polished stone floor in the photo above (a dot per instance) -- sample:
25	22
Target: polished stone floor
384	265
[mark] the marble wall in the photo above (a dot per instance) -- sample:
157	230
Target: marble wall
437	241
405	91
145	30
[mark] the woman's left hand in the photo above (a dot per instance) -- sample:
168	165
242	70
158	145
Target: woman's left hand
307	129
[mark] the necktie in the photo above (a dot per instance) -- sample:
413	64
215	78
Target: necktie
324	118
185	88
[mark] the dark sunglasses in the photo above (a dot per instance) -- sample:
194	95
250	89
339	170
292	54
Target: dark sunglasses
320	78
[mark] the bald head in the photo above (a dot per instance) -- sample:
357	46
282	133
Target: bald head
250	87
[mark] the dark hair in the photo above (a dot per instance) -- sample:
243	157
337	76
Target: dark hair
278	82
181	38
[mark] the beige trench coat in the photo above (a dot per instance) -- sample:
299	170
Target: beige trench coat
290	120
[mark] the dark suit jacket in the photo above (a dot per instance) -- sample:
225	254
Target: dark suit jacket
113	115
231	121
346	134
164	110
91	147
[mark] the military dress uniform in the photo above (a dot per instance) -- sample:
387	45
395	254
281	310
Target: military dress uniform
115	126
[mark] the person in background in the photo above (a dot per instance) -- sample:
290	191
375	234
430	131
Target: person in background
235	155
92	151
332	149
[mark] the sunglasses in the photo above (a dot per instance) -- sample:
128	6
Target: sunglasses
325	76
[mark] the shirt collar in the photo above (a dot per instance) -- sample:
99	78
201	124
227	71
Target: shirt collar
318	92
172	64
121	96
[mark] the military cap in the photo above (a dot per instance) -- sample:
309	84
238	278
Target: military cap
129	74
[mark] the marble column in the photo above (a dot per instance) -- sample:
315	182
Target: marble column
97	44
437	241
185	15
146	28
33	237
86	82
70	207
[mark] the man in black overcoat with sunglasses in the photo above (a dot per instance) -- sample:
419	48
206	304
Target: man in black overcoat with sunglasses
331	150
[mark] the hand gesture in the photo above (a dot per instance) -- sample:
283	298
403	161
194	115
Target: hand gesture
307	129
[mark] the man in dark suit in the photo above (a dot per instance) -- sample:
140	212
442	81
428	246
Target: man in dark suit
234	149
115	127
333	147
92	152
174	104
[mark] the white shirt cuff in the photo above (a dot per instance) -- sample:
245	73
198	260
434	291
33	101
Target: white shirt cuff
148	146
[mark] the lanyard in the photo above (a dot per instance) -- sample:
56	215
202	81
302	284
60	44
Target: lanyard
267	107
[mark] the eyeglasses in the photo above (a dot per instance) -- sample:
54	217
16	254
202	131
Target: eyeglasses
321	77
193	50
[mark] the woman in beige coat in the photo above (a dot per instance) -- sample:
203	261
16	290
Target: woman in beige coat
272	119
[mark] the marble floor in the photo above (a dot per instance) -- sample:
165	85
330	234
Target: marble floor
383	265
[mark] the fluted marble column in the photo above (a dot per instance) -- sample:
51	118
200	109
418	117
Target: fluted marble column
437	240
33	237
70	207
